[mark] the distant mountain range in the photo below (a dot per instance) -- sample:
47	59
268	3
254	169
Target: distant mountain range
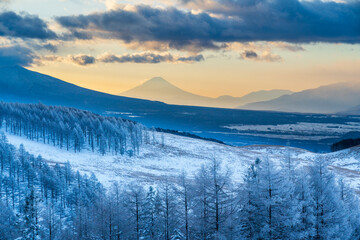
334	98
161	90
352	111
22	85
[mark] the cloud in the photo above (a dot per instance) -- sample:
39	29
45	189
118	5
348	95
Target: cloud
249	54
50	47
292	21
137	58
265	56
16	55
42	46
24	26
197	58
145	57
148	58
82	59
287	46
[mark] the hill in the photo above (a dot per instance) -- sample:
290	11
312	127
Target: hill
177	153
22	85
326	99
161	90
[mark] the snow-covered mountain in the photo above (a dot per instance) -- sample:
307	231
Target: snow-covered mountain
326	99
159	89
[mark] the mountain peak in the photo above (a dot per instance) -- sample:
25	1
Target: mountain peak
157	79
157	82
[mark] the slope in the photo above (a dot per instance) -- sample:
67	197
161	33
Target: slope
20	84
326	99
158	161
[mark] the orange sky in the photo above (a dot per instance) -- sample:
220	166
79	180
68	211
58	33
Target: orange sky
318	64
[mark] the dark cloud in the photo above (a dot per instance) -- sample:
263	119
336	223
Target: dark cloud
82	60
197	58
137	58
24	26
176	27
41	46
50	47
292	21
263	57
148	58
250	54
16	55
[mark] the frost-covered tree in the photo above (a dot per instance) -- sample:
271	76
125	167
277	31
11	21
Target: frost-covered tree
213	202
275	201
330	218
185	198
249	221
73	128
30	212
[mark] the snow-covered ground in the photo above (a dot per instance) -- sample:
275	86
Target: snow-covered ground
155	162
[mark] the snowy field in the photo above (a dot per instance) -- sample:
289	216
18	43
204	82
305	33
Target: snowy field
156	162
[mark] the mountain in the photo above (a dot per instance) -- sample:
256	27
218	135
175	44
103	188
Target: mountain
351	111
22	85
325	99
161	90
257	96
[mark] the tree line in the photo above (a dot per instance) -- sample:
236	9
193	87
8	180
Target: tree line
344	144
73	129
275	201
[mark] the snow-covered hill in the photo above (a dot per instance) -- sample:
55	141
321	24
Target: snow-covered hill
177	154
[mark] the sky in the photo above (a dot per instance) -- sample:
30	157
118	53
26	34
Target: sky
208	47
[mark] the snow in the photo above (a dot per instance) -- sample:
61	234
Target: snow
155	162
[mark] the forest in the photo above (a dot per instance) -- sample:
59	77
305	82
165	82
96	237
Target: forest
72	129
274	201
